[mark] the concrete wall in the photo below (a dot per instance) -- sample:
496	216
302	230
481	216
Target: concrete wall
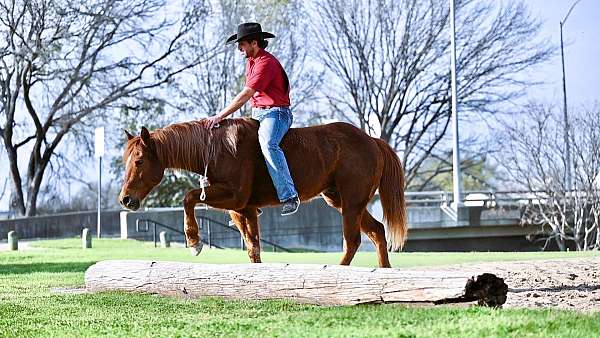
501	237
319	227
61	225
316	226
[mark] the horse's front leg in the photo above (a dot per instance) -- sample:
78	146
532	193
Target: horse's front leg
217	195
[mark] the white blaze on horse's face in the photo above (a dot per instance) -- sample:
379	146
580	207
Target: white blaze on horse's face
128	162
143	170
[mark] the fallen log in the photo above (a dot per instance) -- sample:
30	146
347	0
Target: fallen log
305	283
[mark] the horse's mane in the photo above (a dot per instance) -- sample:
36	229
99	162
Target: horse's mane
189	145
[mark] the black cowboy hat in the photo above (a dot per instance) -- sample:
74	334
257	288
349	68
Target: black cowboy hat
246	30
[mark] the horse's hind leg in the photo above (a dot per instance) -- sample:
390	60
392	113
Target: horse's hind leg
351	228
371	227
351	223
246	221
332	198
376	233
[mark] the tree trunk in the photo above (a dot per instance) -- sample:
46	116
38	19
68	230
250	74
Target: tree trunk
560	242
33	190
305	283
17	200
597	238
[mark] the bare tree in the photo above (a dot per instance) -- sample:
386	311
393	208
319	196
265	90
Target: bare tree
390	61
534	159
476	168
81	199
66	63
4	182
208	87
586	194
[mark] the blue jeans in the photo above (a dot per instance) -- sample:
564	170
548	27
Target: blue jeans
274	123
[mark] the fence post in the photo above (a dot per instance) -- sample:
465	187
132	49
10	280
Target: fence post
154	224
209	235
165	240
86	239
13	241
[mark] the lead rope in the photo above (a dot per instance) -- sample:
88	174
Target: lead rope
204	183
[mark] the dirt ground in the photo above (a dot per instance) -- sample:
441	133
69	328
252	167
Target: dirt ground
572	283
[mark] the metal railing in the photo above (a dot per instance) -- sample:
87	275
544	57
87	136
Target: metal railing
139	227
210	221
155	224
485	198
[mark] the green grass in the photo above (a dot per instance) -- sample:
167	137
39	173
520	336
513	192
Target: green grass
29	307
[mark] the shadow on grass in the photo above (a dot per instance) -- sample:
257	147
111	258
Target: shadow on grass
9	269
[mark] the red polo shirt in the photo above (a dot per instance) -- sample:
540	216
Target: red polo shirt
266	75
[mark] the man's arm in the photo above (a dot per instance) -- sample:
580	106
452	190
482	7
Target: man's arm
239	100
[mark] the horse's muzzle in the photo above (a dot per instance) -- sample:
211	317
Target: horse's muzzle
130	203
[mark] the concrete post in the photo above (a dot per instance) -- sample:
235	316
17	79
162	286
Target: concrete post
13	241
165	239
86	239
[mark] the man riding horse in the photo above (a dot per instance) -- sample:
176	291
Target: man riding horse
267	87
337	161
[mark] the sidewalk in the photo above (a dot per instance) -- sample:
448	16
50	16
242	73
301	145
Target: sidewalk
22	246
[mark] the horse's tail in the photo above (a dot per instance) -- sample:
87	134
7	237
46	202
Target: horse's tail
391	190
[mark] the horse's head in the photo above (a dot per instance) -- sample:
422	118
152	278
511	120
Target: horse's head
143	170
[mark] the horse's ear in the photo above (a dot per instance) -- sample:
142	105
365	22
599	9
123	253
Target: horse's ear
146	136
129	136
147	141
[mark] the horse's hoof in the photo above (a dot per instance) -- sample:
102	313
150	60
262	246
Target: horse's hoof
196	249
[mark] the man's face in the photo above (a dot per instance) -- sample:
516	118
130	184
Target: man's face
248	49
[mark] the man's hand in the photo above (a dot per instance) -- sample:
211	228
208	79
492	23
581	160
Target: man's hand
237	103
212	122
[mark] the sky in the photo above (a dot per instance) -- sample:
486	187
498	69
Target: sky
581	34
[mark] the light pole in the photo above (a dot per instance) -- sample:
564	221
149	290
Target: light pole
568	182
99	152
456	177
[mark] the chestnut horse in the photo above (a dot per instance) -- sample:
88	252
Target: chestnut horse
338	161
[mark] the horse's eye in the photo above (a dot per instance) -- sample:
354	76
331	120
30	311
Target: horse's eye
138	163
